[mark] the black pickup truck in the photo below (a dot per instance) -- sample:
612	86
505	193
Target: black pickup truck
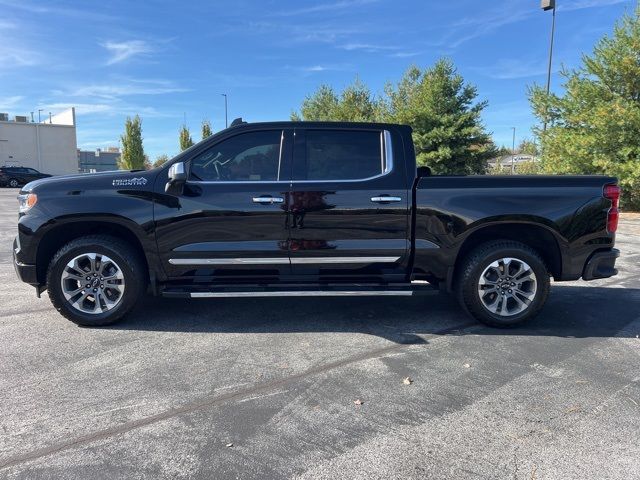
311	209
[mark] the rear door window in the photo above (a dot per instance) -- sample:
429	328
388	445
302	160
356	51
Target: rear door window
340	155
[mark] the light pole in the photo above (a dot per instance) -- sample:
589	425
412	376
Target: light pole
39	110
513	151
546	6
226	118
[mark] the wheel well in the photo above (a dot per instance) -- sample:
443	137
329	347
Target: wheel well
63	234
536	237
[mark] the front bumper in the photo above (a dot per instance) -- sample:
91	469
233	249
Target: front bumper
26	273
601	265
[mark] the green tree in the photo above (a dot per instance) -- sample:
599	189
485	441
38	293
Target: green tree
528	168
354	104
206	129
593	127
442	109
185	138
161	160
448	132
132	157
528	147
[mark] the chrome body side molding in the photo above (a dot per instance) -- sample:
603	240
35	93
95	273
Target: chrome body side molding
280	260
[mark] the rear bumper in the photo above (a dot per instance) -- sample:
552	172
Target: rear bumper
601	265
27	273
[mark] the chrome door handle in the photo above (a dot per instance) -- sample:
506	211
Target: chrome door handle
268	200
385	199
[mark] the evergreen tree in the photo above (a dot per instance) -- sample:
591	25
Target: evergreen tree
448	132
528	147
354	104
206	129
185	138
593	127
447	128
132	157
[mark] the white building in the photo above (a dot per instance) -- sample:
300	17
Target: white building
506	160
49	147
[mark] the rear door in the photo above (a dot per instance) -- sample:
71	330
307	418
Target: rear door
231	219
349	206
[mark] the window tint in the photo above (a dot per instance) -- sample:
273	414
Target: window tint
252	156
341	155
31	170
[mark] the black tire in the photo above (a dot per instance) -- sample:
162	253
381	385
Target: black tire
13	183
481	258
129	263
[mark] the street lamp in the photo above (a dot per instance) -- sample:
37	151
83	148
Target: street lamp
226	118
39	110
547	5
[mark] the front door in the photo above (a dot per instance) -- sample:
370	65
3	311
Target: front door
349	206
231	219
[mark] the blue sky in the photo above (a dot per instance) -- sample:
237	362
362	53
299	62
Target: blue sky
171	60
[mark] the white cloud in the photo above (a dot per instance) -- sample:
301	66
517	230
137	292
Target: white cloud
6	25
121	51
510	69
81	108
367	47
315	68
581	4
133	87
111	109
11	57
406	54
508	13
57	9
326	7
319	68
6	103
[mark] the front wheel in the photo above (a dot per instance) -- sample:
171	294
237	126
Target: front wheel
503	283
95	280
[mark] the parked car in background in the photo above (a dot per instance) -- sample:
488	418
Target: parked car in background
17	176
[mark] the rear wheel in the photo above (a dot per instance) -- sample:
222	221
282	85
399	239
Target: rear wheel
13	183
95	280
503	283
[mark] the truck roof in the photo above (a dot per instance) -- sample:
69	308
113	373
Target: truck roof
239	123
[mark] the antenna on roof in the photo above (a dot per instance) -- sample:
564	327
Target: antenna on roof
237	121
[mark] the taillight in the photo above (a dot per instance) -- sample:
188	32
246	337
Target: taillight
612	192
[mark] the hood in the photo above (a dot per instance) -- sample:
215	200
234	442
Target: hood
80	181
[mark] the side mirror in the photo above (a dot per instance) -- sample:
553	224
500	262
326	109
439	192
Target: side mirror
177	178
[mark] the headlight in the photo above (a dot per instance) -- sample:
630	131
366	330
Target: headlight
26	201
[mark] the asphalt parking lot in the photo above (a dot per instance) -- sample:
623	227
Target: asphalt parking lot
266	388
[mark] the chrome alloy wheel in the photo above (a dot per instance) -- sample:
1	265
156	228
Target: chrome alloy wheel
507	286
92	283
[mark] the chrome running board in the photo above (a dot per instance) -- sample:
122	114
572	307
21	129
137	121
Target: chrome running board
305	293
